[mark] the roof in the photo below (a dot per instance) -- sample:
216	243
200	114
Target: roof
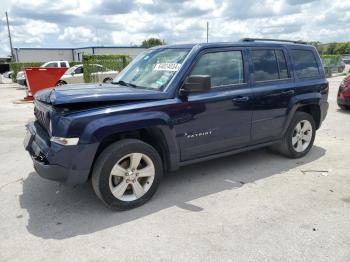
75	48
238	43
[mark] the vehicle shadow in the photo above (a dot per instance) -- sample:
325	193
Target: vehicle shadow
58	212
346	111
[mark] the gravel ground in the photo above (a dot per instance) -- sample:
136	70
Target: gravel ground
255	206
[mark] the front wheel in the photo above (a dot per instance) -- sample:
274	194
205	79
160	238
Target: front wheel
61	83
300	136
127	174
107	80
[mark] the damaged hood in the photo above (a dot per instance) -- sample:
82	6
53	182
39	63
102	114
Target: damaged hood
85	93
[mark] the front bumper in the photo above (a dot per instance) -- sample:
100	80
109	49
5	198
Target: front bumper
343	101
67	164
22	82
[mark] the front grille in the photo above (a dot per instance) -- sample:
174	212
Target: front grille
43	118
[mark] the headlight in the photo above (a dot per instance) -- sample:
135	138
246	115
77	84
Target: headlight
65	141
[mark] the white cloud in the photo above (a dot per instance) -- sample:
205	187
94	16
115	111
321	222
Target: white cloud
78	34
105	22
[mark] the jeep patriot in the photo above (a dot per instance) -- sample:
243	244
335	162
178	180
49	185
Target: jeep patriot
176	105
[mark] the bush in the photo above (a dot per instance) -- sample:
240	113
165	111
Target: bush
331	63
108	62
16	67
331	60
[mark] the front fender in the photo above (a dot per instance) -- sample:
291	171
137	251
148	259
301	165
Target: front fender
98	129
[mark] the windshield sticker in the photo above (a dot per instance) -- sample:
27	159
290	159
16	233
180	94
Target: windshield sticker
167	67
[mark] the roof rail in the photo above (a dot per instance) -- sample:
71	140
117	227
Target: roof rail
272	40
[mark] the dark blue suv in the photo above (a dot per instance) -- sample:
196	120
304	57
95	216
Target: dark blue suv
176	105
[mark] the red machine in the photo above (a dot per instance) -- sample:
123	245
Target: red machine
39	78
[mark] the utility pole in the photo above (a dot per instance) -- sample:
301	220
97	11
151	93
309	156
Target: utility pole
207	31
8	29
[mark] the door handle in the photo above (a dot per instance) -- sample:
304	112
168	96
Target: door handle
240	99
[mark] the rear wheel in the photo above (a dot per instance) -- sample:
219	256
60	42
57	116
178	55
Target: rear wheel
299	137
127	174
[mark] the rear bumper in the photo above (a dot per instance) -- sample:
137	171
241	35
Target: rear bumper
67	164
324	110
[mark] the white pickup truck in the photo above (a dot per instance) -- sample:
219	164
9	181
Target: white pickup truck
21	75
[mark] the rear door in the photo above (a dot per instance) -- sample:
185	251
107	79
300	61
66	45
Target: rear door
273	88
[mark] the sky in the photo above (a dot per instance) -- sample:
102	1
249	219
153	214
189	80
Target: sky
77	23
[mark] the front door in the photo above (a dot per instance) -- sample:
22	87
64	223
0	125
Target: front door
218	120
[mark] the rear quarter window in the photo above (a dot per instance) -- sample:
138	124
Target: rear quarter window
305	64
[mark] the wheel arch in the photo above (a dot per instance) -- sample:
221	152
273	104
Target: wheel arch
308	103
153	136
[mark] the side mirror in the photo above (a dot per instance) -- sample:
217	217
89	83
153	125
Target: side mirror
72	73
196	83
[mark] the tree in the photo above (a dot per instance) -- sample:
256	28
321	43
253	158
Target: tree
152	42
318	46
342	48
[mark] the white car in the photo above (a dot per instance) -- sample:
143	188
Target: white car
21	75
75	75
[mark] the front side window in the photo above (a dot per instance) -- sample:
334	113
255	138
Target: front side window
225	68
153	69
79	70
305	64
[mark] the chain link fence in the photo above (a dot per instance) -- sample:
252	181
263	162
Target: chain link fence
98	68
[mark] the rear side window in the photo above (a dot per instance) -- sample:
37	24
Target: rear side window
282	64
269	65
265	65
53	64
305	64
225	68
63	64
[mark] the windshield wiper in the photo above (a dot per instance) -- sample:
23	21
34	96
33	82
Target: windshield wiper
123	83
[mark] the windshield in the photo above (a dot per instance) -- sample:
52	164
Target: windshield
71	70
153	69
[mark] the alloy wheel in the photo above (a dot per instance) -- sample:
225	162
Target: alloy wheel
131	177
302	135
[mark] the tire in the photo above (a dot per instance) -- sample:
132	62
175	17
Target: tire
288	147
107	80
343	107
61	83
118	158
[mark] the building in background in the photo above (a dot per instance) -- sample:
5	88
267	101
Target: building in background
28	54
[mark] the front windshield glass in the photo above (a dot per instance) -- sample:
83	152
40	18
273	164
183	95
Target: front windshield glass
153	69
71	70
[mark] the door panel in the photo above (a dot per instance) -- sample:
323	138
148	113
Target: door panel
273	89
217	123
270	110
218	120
